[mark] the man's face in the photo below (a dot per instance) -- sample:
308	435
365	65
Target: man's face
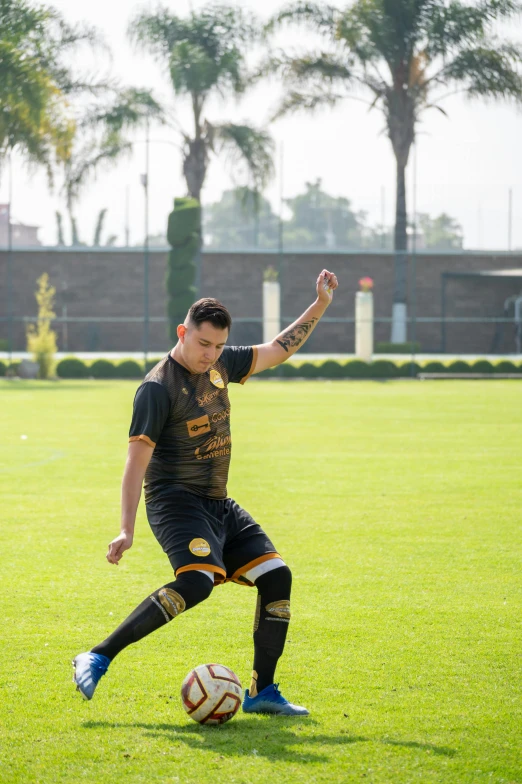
201	346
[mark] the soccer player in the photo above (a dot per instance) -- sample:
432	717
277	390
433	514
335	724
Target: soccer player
180	444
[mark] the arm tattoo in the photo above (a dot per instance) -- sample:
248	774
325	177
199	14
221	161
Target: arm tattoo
297	335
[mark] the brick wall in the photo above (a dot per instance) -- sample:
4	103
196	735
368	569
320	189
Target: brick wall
109	283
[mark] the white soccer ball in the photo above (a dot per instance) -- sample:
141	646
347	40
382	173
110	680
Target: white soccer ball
211	694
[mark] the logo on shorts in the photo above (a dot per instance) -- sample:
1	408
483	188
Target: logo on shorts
216	379
199	547
197	427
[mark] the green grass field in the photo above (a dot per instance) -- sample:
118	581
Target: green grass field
397	506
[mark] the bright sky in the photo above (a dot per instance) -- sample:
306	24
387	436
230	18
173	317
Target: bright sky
465	164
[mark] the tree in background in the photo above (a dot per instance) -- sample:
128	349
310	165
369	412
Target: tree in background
204	56
407	56
441	233
242	218
323	221
36	83
100	140
41	340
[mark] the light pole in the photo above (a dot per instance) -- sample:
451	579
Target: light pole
10	264
146	250
145	183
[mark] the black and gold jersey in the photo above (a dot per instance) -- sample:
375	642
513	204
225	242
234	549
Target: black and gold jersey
186	418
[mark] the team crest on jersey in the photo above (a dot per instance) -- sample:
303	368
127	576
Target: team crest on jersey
216	379
199	547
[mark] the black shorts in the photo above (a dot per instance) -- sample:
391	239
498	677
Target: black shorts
204	533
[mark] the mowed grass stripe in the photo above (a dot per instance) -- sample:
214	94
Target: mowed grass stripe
397	506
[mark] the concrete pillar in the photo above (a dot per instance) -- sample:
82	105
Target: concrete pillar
271	310
364	325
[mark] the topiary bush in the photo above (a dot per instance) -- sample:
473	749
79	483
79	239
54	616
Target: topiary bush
408	370
383	368
506	367
356	369
459	366
71	367
288	370
184	235
102	368
151	363
308	370
434	367
129	368
482	366
331	369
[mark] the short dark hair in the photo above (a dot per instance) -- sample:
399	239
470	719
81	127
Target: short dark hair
208	309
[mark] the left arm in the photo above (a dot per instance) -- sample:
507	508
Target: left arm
293	337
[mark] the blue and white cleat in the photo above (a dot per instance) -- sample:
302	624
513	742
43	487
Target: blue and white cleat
270	700
88	669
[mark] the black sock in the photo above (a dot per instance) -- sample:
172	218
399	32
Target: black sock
159	608
270	625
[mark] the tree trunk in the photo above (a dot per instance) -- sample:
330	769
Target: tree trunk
399	314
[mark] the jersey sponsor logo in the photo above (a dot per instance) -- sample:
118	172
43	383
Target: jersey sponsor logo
199	547
216	379
215	446
198	427
208	397
220	416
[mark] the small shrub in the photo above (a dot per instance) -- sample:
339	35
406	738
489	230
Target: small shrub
288	370
270	372
70	367
3	369
129	368
506	367
102	368
397	348
459	366
408	370
307	370
331	369
151	363
434	367
356	368
383	368
41	339
482	366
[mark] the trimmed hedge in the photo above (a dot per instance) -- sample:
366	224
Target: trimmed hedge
102	368
71	367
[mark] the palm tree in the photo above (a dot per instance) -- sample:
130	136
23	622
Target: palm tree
100	140
35	81
406	56
204	55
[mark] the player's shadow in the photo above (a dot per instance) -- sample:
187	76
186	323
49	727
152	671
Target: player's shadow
263	738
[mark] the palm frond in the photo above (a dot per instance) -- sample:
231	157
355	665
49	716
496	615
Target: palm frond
320	17
487	72
249	146
295	101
